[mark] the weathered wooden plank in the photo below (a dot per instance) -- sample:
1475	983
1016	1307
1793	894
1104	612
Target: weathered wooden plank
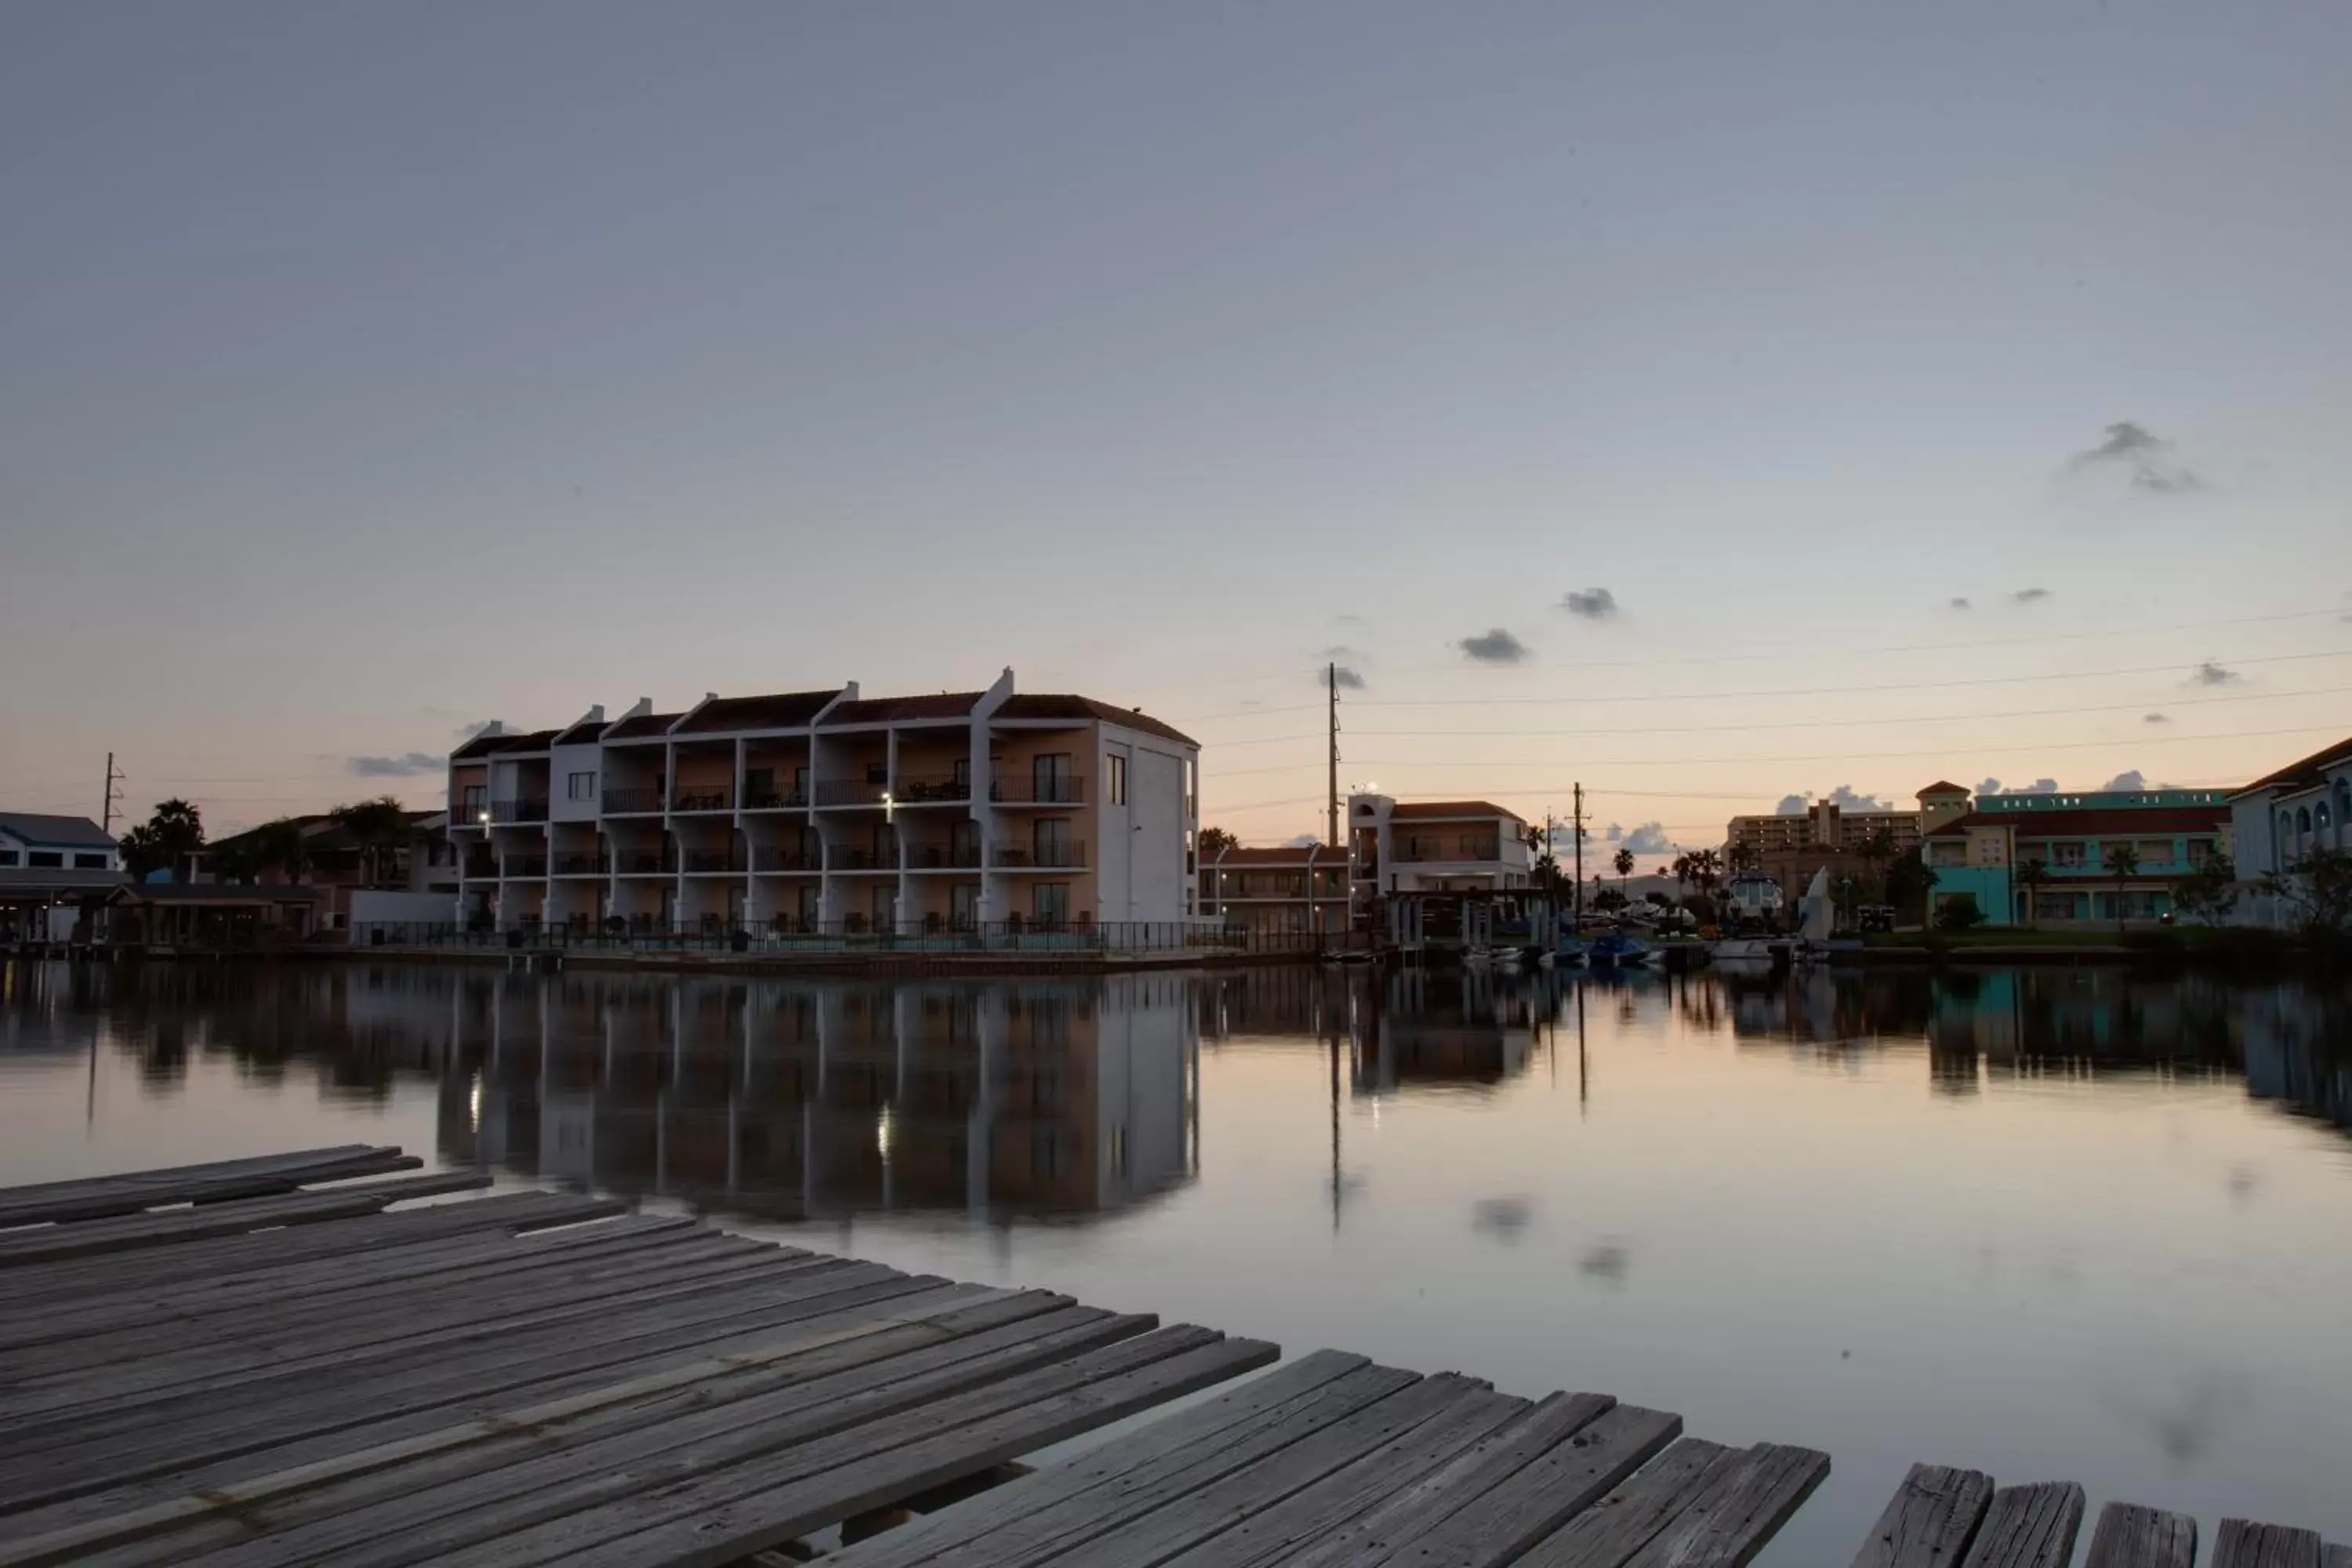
493	1285
344	1348
2130	1536
1732	1518
1188	1515
705	1526
49	1244
428	1523
2242	1544
86	1278
1612	1530
1232	1423
318	1477
2029	1527
1133	1484
1494	1516
102	1197
452	1263
127	1408
130	1451
1930	1522
1307	1515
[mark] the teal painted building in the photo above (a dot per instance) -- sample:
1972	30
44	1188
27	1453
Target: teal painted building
1977	855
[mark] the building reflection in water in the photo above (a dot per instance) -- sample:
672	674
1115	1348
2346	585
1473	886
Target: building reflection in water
798	1099
1074	1098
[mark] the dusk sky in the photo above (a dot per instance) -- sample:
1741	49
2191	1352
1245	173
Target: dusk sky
1711	402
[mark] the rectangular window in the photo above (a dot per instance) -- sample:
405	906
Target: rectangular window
472	801
963	905
2066	854
2200	851
1052	842
1050	902
7	857
759	787
579	786
1049	772
1114	780
90	862
46	857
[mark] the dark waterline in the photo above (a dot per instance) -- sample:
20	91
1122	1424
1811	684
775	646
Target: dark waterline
2051	1222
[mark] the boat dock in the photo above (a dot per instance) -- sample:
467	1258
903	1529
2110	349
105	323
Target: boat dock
292	1360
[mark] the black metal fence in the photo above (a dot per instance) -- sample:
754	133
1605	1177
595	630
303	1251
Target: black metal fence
855	935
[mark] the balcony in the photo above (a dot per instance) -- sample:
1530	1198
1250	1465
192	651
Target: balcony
1071	791
775	800
711	862
633	802
582	866
850	792
933	791
525	866
778	858
517	811
702	800
942	857
1042	857
644	863
865	857
479	868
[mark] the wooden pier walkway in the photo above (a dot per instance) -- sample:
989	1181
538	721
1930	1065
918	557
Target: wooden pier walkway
232	1364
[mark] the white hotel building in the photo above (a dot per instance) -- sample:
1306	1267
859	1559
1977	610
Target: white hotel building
831	810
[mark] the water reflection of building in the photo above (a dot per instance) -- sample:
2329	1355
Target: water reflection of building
1419	1026
806	1099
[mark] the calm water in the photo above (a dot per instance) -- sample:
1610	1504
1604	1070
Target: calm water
2050	1224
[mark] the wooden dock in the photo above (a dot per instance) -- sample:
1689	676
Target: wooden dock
234	1364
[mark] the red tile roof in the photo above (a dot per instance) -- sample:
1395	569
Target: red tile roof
2304	772
892	710
778	711
1050	705
1452	808
2094	822
643	725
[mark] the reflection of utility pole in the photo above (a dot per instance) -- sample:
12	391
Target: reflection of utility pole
1577	828
1581	1095
1334	1134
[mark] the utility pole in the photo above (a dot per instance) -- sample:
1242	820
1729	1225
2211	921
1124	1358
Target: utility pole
1578	827
1331	683
106	814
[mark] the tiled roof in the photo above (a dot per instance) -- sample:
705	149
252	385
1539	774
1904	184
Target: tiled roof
890	709
643	725
1943	786
2304	772
1051	705
63	832
1451	808
484	745
2094	822
778	711
581	735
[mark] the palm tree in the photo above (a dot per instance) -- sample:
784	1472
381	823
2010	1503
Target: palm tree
1743	857
2032	875
1876	849
1625	864
2123	864
165	840
279	844
378	826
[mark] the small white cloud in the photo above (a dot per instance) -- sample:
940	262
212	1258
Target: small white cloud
1988	786
1339	675
1650	839
400	767
1590	604
1791	805
1495	647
